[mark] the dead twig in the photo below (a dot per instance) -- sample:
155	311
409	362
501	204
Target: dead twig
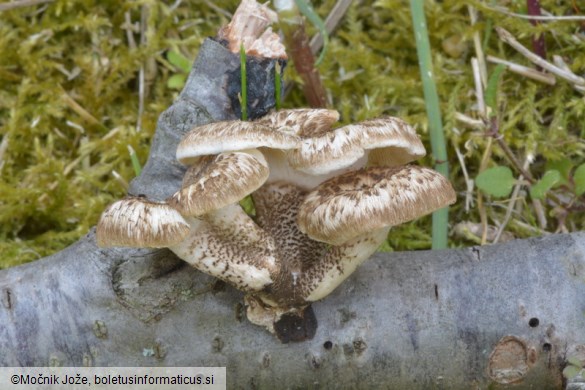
331	23
524	71
544	18
507	37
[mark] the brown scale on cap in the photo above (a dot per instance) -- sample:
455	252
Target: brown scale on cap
138	222
303	122
351	204
394	141
229	136
217	181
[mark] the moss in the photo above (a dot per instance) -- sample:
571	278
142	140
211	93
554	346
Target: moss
69	103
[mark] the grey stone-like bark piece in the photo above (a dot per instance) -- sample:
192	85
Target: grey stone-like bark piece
445	319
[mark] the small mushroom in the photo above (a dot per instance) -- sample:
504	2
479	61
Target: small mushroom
219	180
139	222
368	199
354	212
387	141
230	136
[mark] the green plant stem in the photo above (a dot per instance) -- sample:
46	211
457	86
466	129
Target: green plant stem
439	149
244	85
277	85
135	163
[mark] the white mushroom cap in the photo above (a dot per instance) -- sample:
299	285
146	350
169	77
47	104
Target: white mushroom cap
396	143
217	181
139	222
356	202
229	136
304	122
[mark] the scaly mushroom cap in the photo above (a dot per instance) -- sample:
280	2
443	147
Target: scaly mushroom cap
357	202
304	122
139	222
229	136
217	181
396	143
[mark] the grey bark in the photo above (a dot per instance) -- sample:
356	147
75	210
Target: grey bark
466	318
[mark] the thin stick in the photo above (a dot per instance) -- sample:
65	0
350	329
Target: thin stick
509	39
477	46
297	42
477	78
217	9
543	18
512	204
128	27
141	87
120	180
525	71
82	112
538	43
331	23
3	148
468	181
468	121
22	3
513	159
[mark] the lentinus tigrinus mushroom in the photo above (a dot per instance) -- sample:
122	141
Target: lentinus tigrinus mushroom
324	201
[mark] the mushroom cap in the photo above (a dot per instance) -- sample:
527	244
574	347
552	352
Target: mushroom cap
139	222
217	181
304	122
368	199
395	141
229	136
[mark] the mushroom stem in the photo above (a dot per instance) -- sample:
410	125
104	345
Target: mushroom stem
228	245
340	262
277	206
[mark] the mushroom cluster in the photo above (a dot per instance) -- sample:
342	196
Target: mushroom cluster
324	201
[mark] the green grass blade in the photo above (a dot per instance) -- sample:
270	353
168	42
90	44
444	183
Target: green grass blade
244	85
439	150
135	163
277	85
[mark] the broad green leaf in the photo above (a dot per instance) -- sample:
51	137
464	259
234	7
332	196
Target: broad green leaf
570	372
564	167
497	181
541	187
248	205
179	60
176	81
579	179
